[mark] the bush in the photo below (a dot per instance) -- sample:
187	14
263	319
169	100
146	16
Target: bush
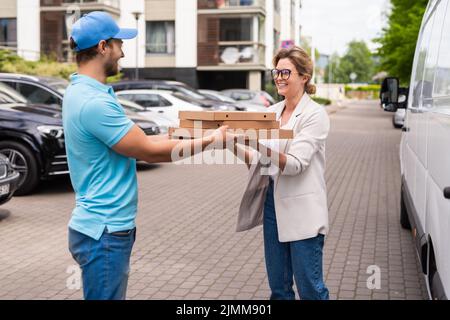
271	89
10	62
322	101
369	87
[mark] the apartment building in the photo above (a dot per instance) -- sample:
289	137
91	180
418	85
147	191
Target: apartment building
214	44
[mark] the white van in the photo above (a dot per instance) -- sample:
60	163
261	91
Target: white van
425	149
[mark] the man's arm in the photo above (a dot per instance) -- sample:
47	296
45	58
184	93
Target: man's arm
135	144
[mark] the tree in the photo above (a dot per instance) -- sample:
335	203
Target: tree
331	76
358	59
398	39
305	44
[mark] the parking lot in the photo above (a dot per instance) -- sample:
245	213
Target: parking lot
187	247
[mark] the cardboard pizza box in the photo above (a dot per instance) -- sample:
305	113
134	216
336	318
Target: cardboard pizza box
250	134
244	124
227	115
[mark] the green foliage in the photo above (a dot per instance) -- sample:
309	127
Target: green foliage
46	66
115	78
306	45
370	87
398	40
10	62
358	59
322	101
271	89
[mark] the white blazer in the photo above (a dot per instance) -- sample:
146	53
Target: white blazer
300	192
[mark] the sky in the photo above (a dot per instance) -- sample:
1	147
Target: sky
332	24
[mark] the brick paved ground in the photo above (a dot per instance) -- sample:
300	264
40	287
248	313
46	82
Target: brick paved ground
186	245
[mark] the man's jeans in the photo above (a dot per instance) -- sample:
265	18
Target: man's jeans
105	264
284	260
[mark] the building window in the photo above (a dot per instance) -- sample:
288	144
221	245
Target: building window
293	12
160	37
8	32
236	29
276	5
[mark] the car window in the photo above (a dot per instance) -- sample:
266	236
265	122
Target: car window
242	96
433	51
36	94
126	96
150	100
190	92
130	105
7	89
442	77
185	98
5	99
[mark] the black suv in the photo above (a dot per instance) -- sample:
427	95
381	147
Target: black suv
8	180
32	138
31	135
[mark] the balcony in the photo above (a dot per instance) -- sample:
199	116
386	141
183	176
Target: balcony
231	6
111	3
238	55
230	42
111	6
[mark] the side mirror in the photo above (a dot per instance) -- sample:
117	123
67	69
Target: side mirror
389	94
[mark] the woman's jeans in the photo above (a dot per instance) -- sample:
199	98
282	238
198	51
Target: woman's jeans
299	259
105	264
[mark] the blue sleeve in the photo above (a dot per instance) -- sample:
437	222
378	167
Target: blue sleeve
105	120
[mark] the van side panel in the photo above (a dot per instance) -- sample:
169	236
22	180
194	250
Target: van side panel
438	208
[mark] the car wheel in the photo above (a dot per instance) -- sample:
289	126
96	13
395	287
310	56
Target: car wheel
404	219
23	161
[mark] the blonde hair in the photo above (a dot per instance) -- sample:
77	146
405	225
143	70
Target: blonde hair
302	62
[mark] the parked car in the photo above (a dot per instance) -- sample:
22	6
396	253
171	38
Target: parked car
32	137
50	91
159	101
175	86
257	97
216	95
242	105
163	122
8	180
425	149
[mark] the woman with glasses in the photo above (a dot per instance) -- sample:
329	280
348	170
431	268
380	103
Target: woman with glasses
286	190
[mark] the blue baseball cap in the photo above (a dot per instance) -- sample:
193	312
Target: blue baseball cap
96	26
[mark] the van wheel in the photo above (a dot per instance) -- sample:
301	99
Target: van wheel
404	219
23	161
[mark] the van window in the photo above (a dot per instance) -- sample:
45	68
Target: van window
442	78
420	62
433	50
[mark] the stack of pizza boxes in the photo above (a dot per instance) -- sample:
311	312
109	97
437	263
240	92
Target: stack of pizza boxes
251	125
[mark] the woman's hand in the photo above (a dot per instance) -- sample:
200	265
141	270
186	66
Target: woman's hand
220	137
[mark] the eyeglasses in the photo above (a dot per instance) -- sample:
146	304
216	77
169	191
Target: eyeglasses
285	73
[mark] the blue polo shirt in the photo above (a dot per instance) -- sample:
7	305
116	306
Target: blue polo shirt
104	181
